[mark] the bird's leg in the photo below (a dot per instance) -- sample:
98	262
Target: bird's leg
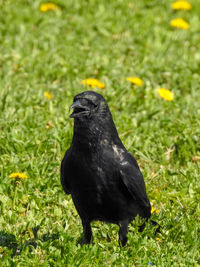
141	227
123	230
87	232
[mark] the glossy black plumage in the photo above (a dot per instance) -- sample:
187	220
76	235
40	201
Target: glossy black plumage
102	177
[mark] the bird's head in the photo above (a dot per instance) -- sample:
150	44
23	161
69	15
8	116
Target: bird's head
88	105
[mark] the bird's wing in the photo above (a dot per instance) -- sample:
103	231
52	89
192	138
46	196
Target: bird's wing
133	180
63	174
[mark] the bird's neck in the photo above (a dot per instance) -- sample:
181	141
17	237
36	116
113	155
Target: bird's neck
94	133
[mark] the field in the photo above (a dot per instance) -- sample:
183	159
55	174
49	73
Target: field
53	52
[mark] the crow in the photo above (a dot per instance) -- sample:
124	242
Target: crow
103	178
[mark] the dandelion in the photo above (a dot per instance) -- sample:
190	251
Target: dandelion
18	175
165	94
181	5
158	239
179	23
47	95
154	210
93	83
135	80
48	6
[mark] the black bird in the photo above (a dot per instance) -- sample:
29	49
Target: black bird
102	177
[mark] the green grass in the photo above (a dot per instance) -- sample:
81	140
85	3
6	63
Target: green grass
53	52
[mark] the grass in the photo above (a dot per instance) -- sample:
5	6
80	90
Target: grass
54	52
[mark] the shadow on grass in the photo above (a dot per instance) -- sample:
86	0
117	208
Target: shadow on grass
10	241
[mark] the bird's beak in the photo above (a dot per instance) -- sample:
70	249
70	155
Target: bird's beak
79	109
76	104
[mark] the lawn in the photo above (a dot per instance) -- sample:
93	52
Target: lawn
108	40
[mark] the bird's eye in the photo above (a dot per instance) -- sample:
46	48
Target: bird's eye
84	102
87	102
92	105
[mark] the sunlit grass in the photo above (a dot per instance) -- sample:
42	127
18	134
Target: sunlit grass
53	52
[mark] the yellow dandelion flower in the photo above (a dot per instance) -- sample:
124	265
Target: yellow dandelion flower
49	6
135	80
93	83
19	175
158	239
179	23
154	210
165	94
181	5
47	95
